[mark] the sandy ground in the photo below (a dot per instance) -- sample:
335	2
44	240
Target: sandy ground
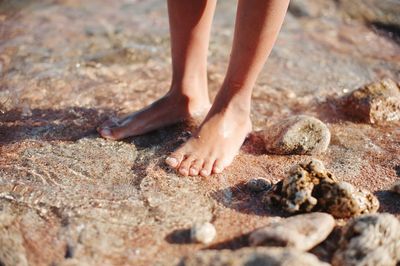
68	197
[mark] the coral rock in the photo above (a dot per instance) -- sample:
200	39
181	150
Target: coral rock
297	135
310	187
375	102
302	232
372	239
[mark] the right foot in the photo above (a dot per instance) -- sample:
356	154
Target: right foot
168	110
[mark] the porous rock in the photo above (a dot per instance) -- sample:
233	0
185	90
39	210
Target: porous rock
258	184
343	200
252	256
297	135
310	187
302	232
375	102
372	239
203	233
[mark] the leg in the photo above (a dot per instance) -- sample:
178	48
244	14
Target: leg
224	129
190	24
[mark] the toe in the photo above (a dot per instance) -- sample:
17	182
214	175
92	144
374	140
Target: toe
218	167
196	166
106	132
174	160
185	166
207	167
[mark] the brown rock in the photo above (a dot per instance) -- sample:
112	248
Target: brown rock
301	232
342	200
375	102
252	256
309	187
297	135
372	239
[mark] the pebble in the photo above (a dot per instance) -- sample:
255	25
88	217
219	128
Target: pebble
374	103
310	187
258	184
302	232
297	135
372	239
203	233
252	256
396	187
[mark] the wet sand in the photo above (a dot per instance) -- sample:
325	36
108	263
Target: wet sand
68	197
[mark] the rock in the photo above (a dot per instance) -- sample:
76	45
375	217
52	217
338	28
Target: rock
301	232
372	11
203	233
252	256
372	239
310	187
374	103
342	200
396	187
297	135
258	184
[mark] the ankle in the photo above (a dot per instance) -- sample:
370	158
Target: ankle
235	103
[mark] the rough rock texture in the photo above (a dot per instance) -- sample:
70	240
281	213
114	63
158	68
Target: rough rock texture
76	199
373	11
258	184
310	187
297	135
253	256
375	102
301	232
372	239
396	187
343	200
203	233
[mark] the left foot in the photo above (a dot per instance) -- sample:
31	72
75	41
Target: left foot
217	141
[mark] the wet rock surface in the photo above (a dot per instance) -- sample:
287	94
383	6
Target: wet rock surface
310	187
72	198
375	102
372	239
302	232
252	256
297	135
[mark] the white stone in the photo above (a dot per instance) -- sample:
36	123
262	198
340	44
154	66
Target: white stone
203	233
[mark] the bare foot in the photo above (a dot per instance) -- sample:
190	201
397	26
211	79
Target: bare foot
216	142
170	109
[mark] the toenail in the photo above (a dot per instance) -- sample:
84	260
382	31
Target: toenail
217	170
172	161
183	171
105	131
204	172
193	171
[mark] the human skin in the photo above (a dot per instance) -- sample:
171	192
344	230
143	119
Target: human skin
219	137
